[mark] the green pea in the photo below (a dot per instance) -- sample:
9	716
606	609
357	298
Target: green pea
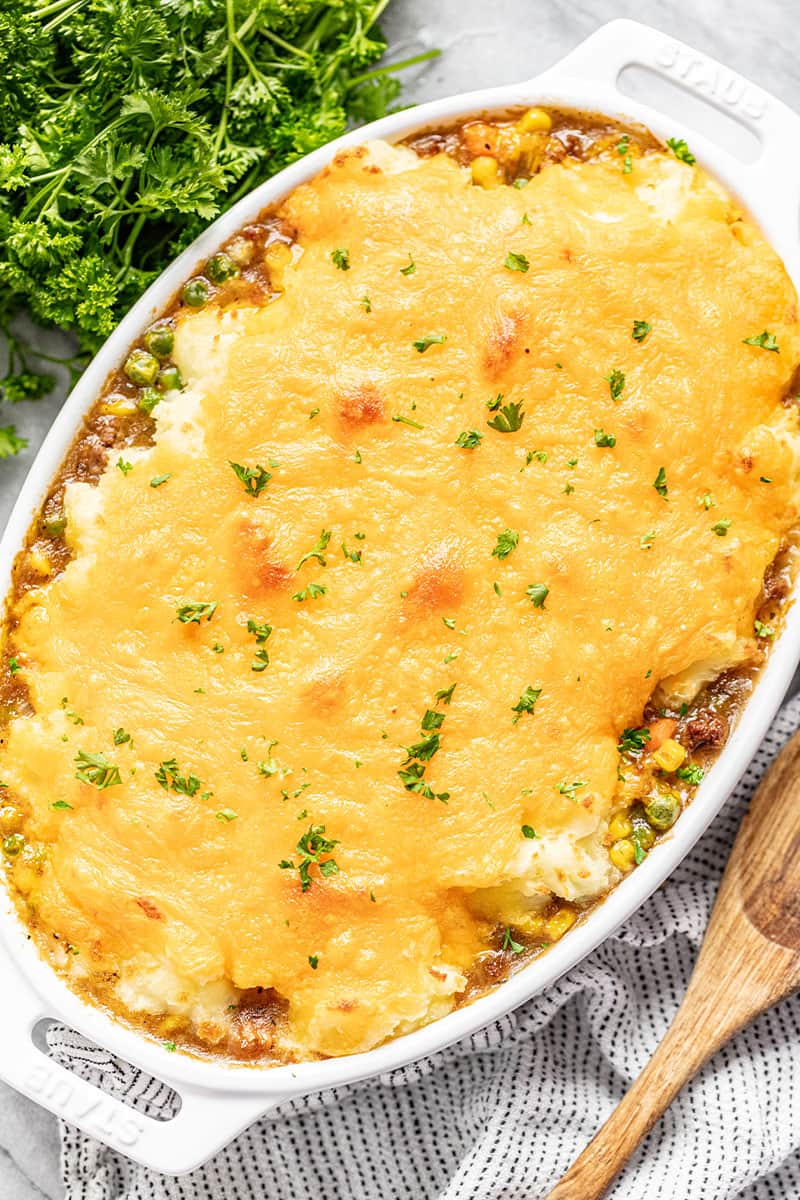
148	399
160	340
169	379
141	367
13	844
642	830
662	811
195	292
55	526
221	268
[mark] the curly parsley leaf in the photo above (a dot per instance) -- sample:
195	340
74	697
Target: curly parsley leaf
125	128
508	419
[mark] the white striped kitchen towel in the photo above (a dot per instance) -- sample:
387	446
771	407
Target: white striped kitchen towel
501	1116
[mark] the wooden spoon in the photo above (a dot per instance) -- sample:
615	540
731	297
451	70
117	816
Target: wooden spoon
749	960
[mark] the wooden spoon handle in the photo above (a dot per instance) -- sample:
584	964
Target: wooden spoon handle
750	958
679	1056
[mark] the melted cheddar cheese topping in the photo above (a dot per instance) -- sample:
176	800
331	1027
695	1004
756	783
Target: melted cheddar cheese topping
311	810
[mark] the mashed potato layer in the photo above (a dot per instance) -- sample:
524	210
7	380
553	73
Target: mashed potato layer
319	781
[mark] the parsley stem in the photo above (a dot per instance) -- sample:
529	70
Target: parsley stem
396	66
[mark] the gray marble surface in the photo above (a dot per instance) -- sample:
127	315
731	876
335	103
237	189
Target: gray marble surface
482	44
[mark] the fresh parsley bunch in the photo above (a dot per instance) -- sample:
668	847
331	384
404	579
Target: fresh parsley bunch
127	125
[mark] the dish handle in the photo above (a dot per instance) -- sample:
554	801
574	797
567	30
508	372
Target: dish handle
605	54
205	1123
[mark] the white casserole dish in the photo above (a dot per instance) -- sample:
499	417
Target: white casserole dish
219	1100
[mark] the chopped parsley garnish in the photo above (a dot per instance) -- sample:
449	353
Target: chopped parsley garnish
507	541
762	630
450	622
469	440
310	847
431	339
406	421
366	304
312	592
61	806
526	702
660	483
765	340
706	501
314	413
226	814
537	593
529	832
218	648
616	383
569	789
13	666
97	770
157	480
169	776
196	611
341	259
448	658
516	262
623	150
641	330
432	720
412	771
121	736
123	466
261	631
357	456
359	536
426	747
410	269
317	551
764	479
313	961
170	1047
681	151
353	555
633	740
508	419
647	539
255	479
690	773
510	944
494	402
601	438
721	528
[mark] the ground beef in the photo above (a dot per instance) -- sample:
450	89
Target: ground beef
706	729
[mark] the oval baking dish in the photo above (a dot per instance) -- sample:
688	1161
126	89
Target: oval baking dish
218	1099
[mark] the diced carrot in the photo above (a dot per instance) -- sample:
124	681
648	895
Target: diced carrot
659	732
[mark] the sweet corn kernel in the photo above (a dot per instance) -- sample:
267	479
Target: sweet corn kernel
534	120
118	405
623	854
669	755
11	819
485	171
278	255
620	826
557	925
40	563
